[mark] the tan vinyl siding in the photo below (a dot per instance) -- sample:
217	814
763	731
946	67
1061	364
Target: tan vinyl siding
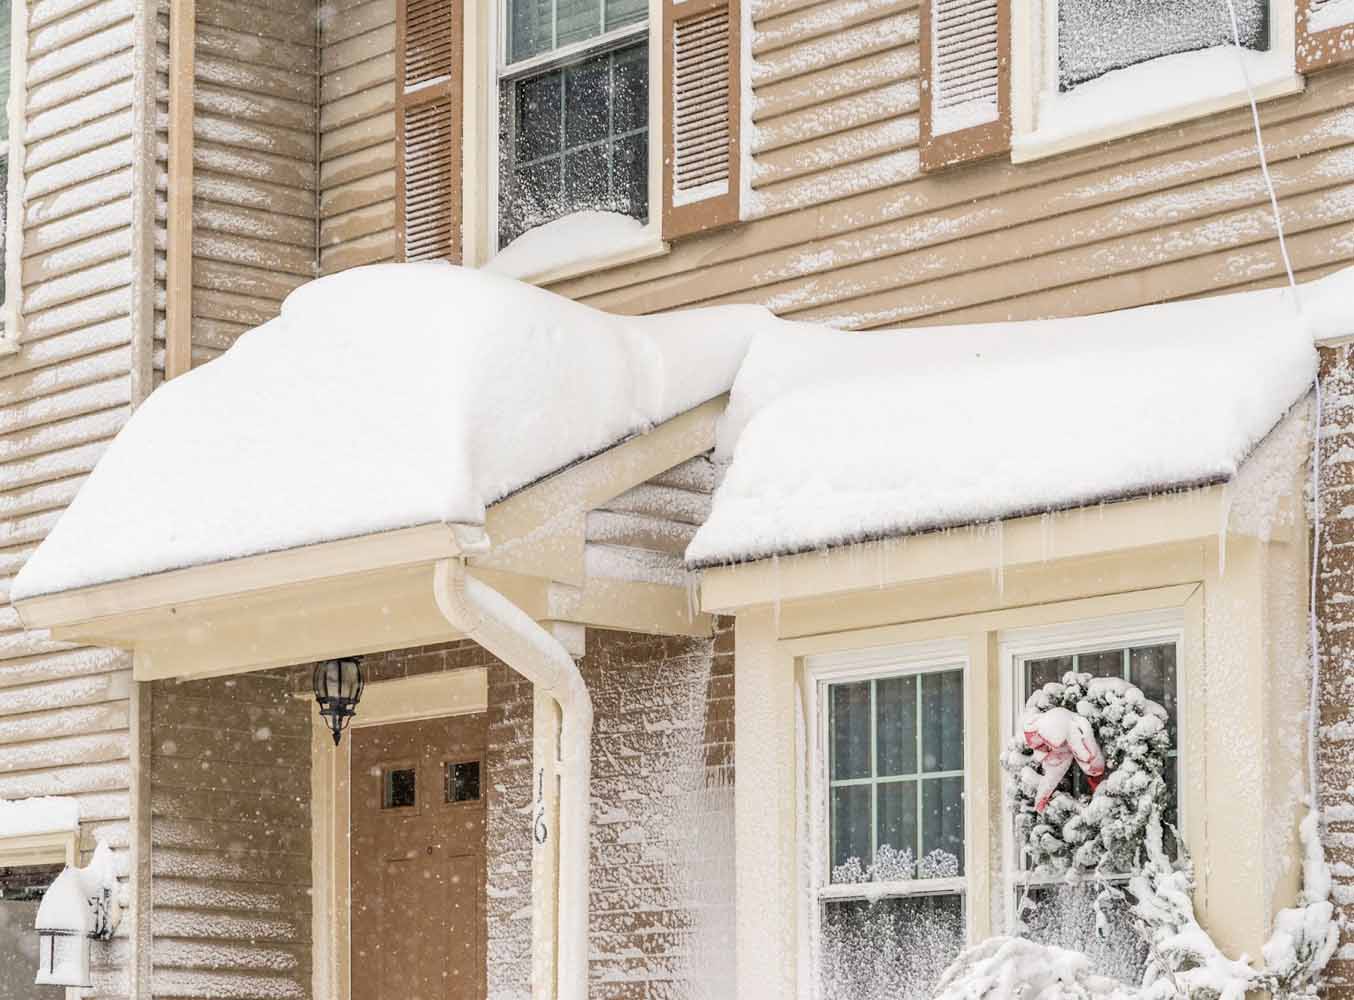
847	231
64	711
254	153
230	838
357	141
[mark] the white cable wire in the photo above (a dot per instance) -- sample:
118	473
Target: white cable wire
1313	703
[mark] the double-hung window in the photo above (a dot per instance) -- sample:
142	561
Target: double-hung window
890	878
1144	653
573	111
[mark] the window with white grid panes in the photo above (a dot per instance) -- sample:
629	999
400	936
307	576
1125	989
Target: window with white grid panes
895	827
573	111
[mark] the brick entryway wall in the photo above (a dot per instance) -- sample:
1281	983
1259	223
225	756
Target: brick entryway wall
1335	604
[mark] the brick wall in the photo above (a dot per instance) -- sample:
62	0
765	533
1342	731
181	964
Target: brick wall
1335	596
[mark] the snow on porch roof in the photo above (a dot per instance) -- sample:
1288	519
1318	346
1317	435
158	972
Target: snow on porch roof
381	398
837	438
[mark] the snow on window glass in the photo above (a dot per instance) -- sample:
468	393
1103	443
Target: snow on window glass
1097	36
888	949
575	138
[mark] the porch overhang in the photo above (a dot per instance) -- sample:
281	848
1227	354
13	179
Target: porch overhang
375	592
986	550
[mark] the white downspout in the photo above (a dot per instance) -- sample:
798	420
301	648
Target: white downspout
504	629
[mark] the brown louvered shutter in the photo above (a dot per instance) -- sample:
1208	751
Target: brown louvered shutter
428	112
966	87
702	98
1325	34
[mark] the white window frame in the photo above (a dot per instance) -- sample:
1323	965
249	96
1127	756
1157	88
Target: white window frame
1017	646
1046	122
492	40
56	847
891	661
13	148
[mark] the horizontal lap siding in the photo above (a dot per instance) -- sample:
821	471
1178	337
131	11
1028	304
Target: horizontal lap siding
357	141
230	838
847	231
64	710
254	162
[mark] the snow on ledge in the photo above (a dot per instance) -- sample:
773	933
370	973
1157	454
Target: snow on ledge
1335	14
1151	94
840	437
26	817
382	397
575	239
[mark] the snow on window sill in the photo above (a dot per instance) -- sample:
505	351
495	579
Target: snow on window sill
1332	15
1151	95
575	245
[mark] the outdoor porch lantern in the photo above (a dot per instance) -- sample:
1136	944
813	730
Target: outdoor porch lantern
338	688
76	909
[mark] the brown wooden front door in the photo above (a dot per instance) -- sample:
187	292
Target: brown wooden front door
418	860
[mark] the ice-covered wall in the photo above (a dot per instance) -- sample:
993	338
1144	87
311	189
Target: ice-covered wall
1336	604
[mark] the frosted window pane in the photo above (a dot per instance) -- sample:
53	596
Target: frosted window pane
898	816
942	708
1064	915
575	139
529	28
1047	671
619	13
577	21
896	725
892	948
851	824
1152	668
1109	663
851	730
1097	36
943	823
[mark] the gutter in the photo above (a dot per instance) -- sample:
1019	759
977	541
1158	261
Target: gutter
505	630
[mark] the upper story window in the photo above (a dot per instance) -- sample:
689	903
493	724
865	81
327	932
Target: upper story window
573	111
1041	77
1096	37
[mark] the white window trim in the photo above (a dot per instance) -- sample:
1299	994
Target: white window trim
889	661
1046	122
55	847
488	41
10	310
1016	646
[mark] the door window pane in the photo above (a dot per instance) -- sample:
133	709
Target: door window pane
399	788
463	781
1097	36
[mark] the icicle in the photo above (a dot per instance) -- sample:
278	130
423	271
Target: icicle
775	607
1224	514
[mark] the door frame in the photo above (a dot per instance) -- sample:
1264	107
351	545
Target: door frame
405	699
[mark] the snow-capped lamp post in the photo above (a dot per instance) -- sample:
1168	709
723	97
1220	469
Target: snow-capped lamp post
79	907
338	688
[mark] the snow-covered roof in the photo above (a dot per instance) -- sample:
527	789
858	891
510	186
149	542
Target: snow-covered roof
836	437
381	398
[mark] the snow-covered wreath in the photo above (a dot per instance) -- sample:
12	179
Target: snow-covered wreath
1117	738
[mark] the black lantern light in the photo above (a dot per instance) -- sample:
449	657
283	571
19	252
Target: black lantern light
338	688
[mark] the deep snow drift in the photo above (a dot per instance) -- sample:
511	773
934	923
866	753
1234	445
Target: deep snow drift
382	397
837	437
